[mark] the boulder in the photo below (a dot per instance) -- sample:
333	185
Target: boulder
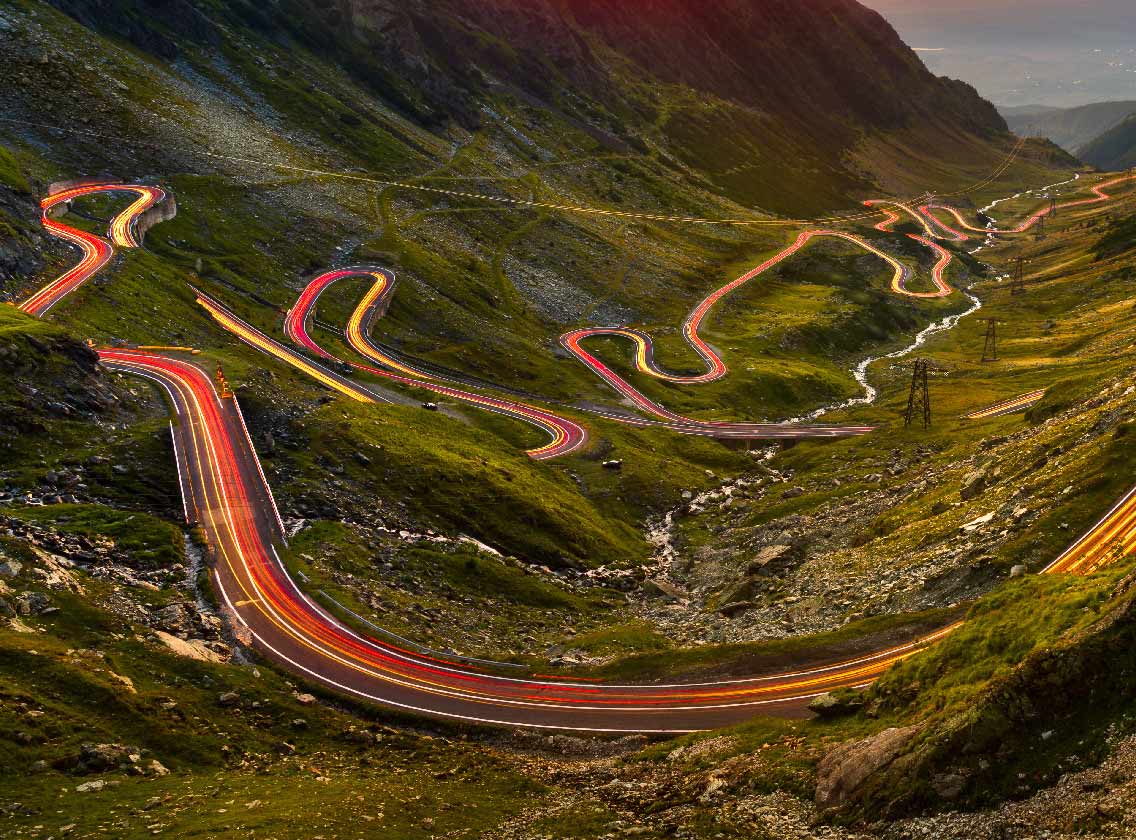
948	785
768	557
10	568
847	766
173	618
32	603
744	590
973	485
977	524
228	698
835	705
98	758
735	608
659	588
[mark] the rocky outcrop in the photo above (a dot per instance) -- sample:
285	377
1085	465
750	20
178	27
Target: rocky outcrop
1035	716
841	773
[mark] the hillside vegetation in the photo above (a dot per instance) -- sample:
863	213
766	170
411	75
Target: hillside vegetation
444	140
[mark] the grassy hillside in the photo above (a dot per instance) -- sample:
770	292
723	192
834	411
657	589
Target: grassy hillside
293	136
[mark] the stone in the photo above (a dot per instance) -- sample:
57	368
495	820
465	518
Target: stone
31	603
613	465
841	772
90	787
793	492
735	608
973	485
976	524
771	555
98	758
659	588
10	568
228	698
743	590
305	699
192	648
835	705
171	618
125	682
156	768
948	785
1018	570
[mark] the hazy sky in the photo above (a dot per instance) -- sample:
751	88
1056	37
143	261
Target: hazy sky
1054	52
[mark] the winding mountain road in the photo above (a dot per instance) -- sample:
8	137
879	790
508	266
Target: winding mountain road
226	492
97	251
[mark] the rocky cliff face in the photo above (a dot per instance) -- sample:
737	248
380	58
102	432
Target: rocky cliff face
808	62
731	89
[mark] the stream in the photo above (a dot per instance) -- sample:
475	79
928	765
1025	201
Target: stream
860	372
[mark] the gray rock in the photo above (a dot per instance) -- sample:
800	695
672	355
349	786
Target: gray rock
743	590
973	485
768	557
1018	570
10	568
658	588
229	698
835	705
735	608
172	618
948	785
90	787
32	603
841	772
98	758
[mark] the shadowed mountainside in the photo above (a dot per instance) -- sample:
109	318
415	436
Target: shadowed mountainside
1115	149
1069	128
722	87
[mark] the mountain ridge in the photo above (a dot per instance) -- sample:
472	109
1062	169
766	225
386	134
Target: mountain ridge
743	80
1070	128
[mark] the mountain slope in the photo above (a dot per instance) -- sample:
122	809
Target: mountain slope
1114	149
725	87
1069	128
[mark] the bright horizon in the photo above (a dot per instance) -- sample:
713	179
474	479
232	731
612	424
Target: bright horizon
1019	52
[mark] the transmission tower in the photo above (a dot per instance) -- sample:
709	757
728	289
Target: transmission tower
1039	231
1018	283
919	400
990	347
1052	205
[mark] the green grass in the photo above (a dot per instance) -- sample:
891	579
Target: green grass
999	632
149	541
694	663
248	768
